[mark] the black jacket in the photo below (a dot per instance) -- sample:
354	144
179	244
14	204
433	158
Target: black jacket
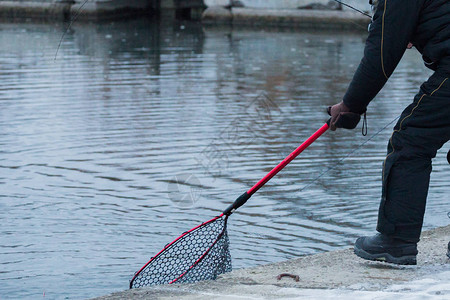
425	23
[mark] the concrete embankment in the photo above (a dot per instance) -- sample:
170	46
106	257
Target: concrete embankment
237	16
296	18
19	10
51	10
331	270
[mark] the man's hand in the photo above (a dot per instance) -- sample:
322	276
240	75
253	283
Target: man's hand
342	117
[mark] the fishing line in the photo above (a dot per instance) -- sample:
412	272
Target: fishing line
68	27
354	8
348	155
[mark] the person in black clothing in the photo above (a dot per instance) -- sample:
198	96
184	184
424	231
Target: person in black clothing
423	128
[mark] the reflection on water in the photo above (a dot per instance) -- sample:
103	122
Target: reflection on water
99	147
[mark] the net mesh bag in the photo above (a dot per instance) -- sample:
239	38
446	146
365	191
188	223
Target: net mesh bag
199	254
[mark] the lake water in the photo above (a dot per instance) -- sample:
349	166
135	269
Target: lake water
93	143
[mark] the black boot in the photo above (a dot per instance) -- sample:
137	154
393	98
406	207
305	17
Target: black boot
383	248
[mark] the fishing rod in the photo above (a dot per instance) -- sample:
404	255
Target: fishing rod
354	8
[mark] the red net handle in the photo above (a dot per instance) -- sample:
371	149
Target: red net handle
244	197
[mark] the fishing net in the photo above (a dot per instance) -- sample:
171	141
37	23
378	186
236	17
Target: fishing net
201	253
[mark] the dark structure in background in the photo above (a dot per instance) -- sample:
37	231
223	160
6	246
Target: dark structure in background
97	9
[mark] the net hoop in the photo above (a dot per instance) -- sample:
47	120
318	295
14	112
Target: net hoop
168	246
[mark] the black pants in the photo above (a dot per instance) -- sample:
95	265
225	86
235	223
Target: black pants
423	128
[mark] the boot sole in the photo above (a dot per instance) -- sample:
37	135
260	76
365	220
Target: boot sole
386	257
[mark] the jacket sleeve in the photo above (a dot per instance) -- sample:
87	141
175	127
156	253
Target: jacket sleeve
392	27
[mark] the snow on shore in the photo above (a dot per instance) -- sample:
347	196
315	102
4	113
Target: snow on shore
432	287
